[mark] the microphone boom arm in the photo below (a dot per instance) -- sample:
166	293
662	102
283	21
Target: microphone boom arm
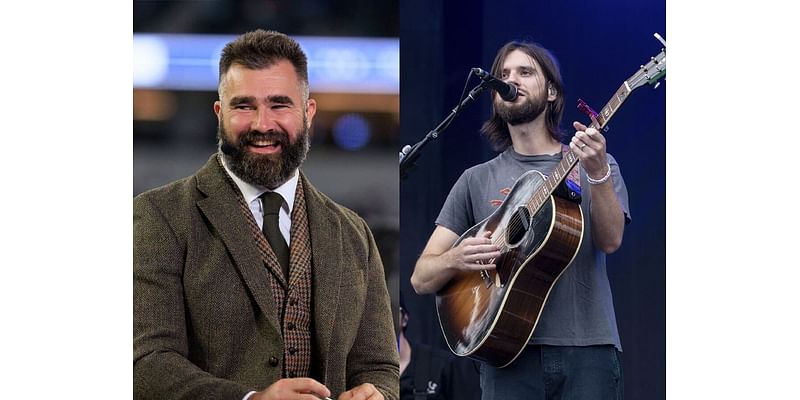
409	154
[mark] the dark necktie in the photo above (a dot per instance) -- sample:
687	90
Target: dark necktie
271	204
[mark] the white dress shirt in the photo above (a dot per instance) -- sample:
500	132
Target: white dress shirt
251	195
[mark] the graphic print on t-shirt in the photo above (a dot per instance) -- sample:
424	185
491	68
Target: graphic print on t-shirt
497	203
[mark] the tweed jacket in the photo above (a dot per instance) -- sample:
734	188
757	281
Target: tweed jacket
205	322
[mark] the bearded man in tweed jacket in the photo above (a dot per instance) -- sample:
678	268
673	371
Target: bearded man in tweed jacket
219	314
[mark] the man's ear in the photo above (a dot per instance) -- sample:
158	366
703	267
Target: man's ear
551	92
217	109
311	110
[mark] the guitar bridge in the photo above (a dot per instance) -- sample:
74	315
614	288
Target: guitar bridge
488	281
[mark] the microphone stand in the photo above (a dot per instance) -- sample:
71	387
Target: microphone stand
409	154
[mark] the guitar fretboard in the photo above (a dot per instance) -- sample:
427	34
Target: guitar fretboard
569	159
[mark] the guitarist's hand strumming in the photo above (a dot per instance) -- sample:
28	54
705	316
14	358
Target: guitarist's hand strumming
477	253
440	261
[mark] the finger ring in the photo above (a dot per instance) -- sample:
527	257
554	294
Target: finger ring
582	146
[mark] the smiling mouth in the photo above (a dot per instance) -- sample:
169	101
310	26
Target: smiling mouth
264	143
265	146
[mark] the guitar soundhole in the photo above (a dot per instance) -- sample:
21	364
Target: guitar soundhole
518	226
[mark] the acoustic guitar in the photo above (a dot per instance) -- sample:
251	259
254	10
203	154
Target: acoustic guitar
491	315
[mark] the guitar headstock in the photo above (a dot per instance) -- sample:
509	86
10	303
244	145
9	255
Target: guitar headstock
650	73
653	72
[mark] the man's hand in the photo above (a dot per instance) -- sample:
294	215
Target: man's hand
590	147
608	221
293	389
439	262
474	253
364	391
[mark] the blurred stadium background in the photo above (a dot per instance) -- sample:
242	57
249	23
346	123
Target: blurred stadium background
353	51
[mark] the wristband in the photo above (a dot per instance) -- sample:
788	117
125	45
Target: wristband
601	180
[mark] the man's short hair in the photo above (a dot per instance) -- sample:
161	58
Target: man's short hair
262	49
495	129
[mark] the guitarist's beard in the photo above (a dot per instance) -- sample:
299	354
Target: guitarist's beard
518	114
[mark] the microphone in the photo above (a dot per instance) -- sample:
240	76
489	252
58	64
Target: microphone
506	91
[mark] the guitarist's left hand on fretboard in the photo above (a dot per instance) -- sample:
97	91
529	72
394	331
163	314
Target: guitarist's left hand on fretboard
590	147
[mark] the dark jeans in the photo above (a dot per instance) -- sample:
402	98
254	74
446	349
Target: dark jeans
556	372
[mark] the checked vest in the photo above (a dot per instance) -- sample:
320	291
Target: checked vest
292	297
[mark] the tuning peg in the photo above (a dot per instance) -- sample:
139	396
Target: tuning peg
657	85
660	39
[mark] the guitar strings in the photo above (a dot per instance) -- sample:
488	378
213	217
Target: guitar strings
543	193
541	196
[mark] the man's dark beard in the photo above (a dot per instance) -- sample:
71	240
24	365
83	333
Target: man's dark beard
268	170
523	113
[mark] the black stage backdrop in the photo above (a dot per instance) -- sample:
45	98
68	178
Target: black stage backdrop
599	45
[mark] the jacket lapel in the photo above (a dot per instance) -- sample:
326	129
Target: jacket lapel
224	213
326	248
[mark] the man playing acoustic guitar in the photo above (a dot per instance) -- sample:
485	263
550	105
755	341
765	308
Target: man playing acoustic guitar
573	352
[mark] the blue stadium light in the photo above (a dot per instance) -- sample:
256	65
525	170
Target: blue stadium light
335	64
351	132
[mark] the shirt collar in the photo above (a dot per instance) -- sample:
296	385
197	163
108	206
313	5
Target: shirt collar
252	192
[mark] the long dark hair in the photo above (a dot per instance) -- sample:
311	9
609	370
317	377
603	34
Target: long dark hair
495	129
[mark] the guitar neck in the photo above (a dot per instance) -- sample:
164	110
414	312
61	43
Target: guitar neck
612	106
569	159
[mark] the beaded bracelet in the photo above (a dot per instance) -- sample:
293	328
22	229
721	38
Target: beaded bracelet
601	180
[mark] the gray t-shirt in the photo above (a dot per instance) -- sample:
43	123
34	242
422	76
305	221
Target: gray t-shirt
579	310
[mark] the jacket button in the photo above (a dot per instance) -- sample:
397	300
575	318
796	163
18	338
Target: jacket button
273	361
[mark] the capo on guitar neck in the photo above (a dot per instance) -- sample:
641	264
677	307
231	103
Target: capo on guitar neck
588	110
